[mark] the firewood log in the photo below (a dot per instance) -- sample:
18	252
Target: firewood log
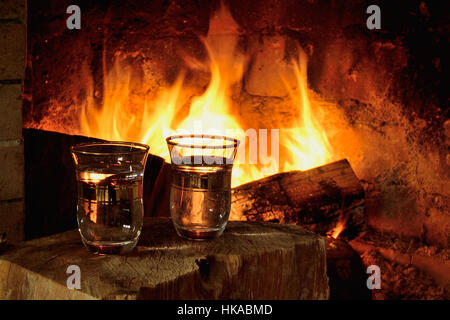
315	199
50	184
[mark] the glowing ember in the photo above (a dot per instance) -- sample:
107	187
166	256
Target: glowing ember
337	230
340	226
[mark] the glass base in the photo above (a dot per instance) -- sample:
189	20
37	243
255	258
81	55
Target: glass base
198	233
105	247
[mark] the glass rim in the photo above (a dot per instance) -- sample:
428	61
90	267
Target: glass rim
170	141
138	148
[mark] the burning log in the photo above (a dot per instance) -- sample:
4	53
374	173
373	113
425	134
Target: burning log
50	184
249	261
317	199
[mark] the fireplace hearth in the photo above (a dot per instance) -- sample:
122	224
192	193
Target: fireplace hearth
361	117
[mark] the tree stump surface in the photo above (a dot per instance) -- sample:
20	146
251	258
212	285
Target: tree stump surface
251	260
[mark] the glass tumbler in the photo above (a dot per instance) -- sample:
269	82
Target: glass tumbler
109	185
200	192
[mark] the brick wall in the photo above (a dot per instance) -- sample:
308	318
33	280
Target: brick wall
12	67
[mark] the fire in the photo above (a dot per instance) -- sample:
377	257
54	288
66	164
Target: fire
128	113
212	112
337	230
308	142
340	226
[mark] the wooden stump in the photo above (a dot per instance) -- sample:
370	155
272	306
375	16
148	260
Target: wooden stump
250	261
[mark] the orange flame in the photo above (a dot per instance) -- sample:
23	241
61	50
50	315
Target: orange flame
337	230
340	226
308	143
146	120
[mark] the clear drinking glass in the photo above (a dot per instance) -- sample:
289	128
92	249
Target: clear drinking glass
200	193
109	184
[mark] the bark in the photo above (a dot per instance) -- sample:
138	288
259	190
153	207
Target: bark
316	199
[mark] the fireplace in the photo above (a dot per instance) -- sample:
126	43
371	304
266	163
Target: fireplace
308	73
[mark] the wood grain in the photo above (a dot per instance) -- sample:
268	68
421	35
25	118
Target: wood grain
250	261
316	199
